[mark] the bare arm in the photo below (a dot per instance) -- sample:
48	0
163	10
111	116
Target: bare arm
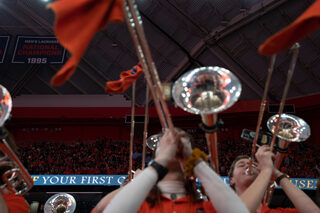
252	197
300	200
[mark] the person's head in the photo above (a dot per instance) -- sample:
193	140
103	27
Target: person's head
239	177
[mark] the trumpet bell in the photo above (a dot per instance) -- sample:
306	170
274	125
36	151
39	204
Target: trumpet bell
291	128
153	140
5	105
60	203
206	90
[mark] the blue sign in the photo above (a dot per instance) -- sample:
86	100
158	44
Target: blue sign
117	180
74	180
38	50
4	41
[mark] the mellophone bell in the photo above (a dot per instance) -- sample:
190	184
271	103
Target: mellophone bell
60	203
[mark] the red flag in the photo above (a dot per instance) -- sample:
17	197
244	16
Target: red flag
304	25
126	80
76	23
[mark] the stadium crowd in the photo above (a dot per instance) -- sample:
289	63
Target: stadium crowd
106	156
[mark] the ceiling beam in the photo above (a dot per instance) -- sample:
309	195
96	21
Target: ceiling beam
24	80
220	32
48	85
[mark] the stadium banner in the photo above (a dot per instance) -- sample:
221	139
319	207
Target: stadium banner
4	41
116	180
70	180
38	50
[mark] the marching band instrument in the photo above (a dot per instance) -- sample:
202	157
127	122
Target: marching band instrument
14	176
60	203
291	129
153	140
295	51
134	23
145	128
207	91
133	103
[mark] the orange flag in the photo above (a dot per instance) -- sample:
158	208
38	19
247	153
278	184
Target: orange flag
304	25
76	23
126	80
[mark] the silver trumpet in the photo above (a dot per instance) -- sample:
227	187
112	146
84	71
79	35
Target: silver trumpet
60	203
291	129
207	91
14	177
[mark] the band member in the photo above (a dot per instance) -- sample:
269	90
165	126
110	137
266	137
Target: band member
166	175
251	186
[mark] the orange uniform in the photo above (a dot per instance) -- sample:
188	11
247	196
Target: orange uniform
180	205
16	203
266	209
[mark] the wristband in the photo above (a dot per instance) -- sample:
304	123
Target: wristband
161	170
281	177
192	161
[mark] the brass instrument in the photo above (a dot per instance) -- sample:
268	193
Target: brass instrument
207	91
295	51
14	176
153	140
292	129
60	203
134	22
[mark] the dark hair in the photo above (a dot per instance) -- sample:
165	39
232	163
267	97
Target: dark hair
230	174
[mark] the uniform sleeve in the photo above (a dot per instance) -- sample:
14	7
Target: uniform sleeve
16	203
222	197
134	193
